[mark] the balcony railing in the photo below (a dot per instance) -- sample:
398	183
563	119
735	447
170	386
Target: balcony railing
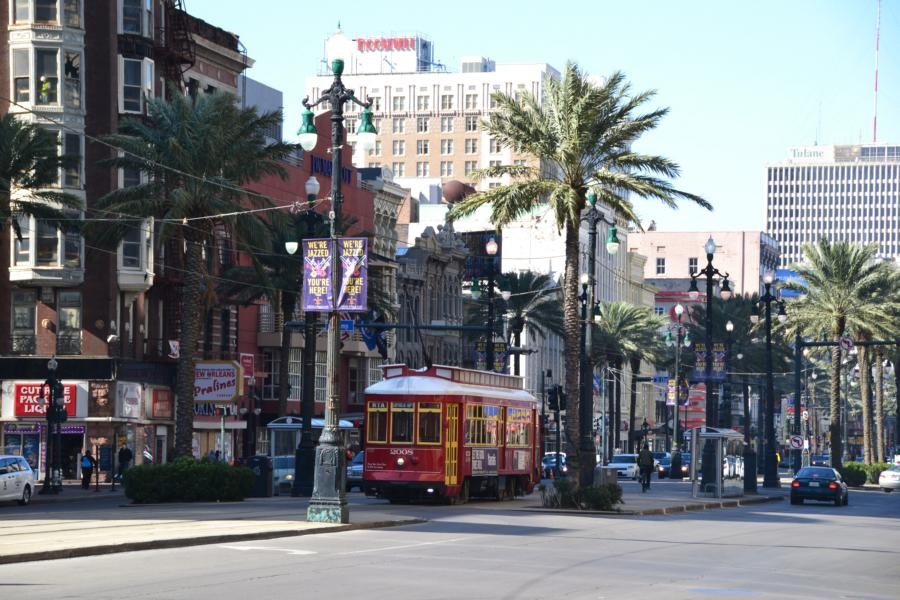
24	343
68	343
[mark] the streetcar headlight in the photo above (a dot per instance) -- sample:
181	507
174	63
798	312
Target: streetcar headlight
400	462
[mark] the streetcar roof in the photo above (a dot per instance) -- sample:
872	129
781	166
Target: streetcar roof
436	386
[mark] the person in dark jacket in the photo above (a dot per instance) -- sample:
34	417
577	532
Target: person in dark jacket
87	469
125	457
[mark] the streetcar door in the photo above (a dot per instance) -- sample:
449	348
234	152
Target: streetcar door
451	448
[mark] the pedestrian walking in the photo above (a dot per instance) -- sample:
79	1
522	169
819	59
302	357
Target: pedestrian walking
125	456
87	469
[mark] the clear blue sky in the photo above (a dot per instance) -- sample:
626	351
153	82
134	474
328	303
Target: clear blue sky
743	80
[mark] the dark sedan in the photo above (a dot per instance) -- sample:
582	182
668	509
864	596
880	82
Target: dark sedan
819	483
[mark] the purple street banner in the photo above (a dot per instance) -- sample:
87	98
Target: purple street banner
317	293
717	373
354	274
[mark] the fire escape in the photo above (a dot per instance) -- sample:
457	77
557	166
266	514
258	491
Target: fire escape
176	53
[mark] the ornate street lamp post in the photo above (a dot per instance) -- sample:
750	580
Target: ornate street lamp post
56	414
329	501
305	454
490	248
712	412
726	385
682	337
770	468
586	379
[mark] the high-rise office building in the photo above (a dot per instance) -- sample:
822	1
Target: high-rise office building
843	193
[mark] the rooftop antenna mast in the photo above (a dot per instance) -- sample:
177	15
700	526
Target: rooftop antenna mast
875	116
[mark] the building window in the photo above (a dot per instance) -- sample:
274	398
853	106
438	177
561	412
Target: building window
470	166
446	168
68	340
376	151
72	13
136	76
22	247
422	147
692	265
422	124
398	147
72	89
399	125
24	320
471	146
447	146
398	103
137	17
494	146
447	102
47	245
472	123
21	81
519	162
471	101
21	12
131	248
46	75
423	103
72	149
45	11
422	169
493	163
659	310
661	265
446	124
350	125
398	169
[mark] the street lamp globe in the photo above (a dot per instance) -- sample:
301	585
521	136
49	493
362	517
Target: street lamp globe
584	279
491	247
725	292
291	247
710	246
52	364
729	326
311	187
506	295
598	314
768	277
307	134
612	241
365	133
679	310
693	291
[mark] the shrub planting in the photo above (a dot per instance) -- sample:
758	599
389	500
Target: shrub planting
187	480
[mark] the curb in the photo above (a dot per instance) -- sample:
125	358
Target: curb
199	541
667	510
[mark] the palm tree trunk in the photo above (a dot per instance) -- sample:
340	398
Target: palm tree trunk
288	303
517	342
572	329
632	404
865	378
191	319
879	404
617	379
834	428
610	410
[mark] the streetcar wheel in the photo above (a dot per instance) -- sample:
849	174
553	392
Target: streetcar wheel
464	492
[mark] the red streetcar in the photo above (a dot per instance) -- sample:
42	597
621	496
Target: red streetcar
450	433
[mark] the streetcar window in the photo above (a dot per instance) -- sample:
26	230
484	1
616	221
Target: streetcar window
518	427
402	414
429	423
376	422
482	423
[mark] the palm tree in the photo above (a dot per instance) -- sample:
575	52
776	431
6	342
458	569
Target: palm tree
582	134
839	283
29	172
196	153
645	346
533	303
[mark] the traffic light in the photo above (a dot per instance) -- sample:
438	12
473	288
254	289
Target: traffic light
562	397
553	398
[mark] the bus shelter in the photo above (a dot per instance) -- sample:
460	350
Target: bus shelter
729	453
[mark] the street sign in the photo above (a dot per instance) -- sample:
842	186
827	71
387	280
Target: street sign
796	442
846	343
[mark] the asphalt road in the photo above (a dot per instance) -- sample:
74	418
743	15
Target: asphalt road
486	550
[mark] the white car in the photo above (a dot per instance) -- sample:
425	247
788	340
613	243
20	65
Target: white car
889	479
16	479
625	465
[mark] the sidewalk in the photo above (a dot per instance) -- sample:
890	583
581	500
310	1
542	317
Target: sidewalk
72	526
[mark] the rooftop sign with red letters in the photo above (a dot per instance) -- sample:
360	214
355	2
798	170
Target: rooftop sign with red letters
385	43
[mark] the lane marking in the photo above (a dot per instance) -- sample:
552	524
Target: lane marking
403	547
270	549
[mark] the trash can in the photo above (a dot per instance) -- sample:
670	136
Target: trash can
605	475
262	480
